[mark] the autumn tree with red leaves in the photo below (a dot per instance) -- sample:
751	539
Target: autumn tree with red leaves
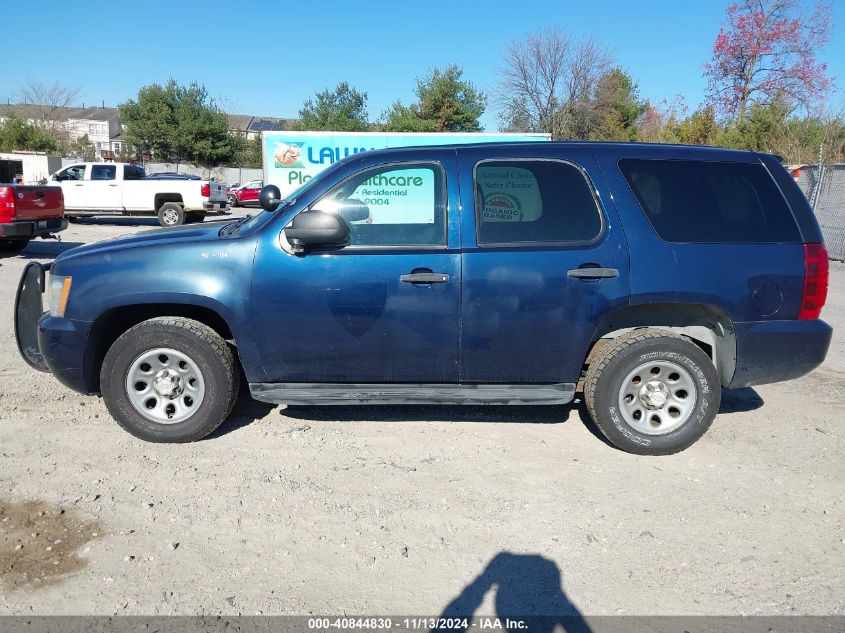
766	51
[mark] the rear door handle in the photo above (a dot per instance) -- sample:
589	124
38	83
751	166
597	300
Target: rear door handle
592	273
425	278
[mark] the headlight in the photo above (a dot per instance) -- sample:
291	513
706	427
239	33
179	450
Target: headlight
58	294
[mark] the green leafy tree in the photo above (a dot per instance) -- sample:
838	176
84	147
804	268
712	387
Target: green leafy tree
612	113
80	148
248	152
762	129
149	122
182	123
202	128
700	128
343	109
18	135
445	103
402	118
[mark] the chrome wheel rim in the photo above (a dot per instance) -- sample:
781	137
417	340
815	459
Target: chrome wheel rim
657	397
233	201
165	386
170	216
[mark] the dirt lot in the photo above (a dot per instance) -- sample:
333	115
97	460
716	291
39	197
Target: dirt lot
397	510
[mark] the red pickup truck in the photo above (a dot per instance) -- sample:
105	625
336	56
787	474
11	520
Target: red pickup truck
27	212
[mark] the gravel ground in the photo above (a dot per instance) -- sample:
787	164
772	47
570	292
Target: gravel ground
396	510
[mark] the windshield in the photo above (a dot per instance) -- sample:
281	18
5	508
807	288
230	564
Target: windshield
261	218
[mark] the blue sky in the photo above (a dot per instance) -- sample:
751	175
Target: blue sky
266	58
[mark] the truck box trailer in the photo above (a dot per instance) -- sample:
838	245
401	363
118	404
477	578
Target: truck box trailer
290	159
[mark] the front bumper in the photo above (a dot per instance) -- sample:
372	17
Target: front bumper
773	351
47	343
33	228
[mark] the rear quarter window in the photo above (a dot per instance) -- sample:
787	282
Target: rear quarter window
708	201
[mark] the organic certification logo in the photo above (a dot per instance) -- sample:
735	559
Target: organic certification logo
502	207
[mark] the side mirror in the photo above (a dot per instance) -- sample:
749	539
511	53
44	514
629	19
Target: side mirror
312	228
57	178
43	181
270	198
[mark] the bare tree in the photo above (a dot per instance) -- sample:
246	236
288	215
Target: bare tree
44	104
544	77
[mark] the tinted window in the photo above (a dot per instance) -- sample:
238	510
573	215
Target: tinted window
103	172
392	206
534	201
704	201
130	172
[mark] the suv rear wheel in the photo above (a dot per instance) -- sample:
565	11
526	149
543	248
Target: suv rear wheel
169	379
652	392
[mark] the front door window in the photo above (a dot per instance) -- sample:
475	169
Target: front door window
392	206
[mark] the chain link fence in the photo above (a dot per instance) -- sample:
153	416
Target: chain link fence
824	186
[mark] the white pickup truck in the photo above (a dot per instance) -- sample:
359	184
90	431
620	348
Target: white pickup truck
121	188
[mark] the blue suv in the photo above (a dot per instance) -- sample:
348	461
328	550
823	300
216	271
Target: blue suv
647	276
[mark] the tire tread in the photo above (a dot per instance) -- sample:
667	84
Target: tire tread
603	358
215	342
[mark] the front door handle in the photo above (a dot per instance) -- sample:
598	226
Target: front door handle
425	278
592	273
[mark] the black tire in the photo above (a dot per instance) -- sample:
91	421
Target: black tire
194	218
233	200
171	214
622	356
12	246
206	349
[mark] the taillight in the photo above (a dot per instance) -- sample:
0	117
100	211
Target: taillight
205	190
816	272
7	204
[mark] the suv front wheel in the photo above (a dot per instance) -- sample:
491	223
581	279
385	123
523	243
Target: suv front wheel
652	392
169	379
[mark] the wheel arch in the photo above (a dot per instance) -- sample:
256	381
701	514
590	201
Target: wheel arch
708	326
109	325
163	198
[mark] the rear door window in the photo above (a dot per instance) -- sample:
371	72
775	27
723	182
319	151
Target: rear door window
708	201
103	172
130	172
528	201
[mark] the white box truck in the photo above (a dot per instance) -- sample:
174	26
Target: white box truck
290	159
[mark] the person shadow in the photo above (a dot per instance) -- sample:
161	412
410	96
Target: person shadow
529	596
